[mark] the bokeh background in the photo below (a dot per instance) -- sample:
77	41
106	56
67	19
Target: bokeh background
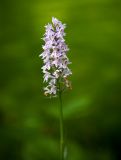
29	122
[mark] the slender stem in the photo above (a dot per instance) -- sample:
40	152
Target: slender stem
61	126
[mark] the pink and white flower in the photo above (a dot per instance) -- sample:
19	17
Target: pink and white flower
55	58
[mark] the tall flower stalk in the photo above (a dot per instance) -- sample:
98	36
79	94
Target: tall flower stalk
55	68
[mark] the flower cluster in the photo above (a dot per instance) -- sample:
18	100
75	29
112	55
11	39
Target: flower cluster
54	57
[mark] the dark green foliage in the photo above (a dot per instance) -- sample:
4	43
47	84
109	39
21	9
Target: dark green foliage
29	121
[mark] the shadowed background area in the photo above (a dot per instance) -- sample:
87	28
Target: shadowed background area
29	121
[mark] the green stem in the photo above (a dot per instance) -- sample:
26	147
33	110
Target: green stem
61	126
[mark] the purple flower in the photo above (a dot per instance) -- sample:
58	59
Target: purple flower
55	58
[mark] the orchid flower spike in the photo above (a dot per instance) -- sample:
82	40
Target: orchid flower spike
55	60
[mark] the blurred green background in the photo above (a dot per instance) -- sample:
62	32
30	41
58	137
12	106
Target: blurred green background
29	122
